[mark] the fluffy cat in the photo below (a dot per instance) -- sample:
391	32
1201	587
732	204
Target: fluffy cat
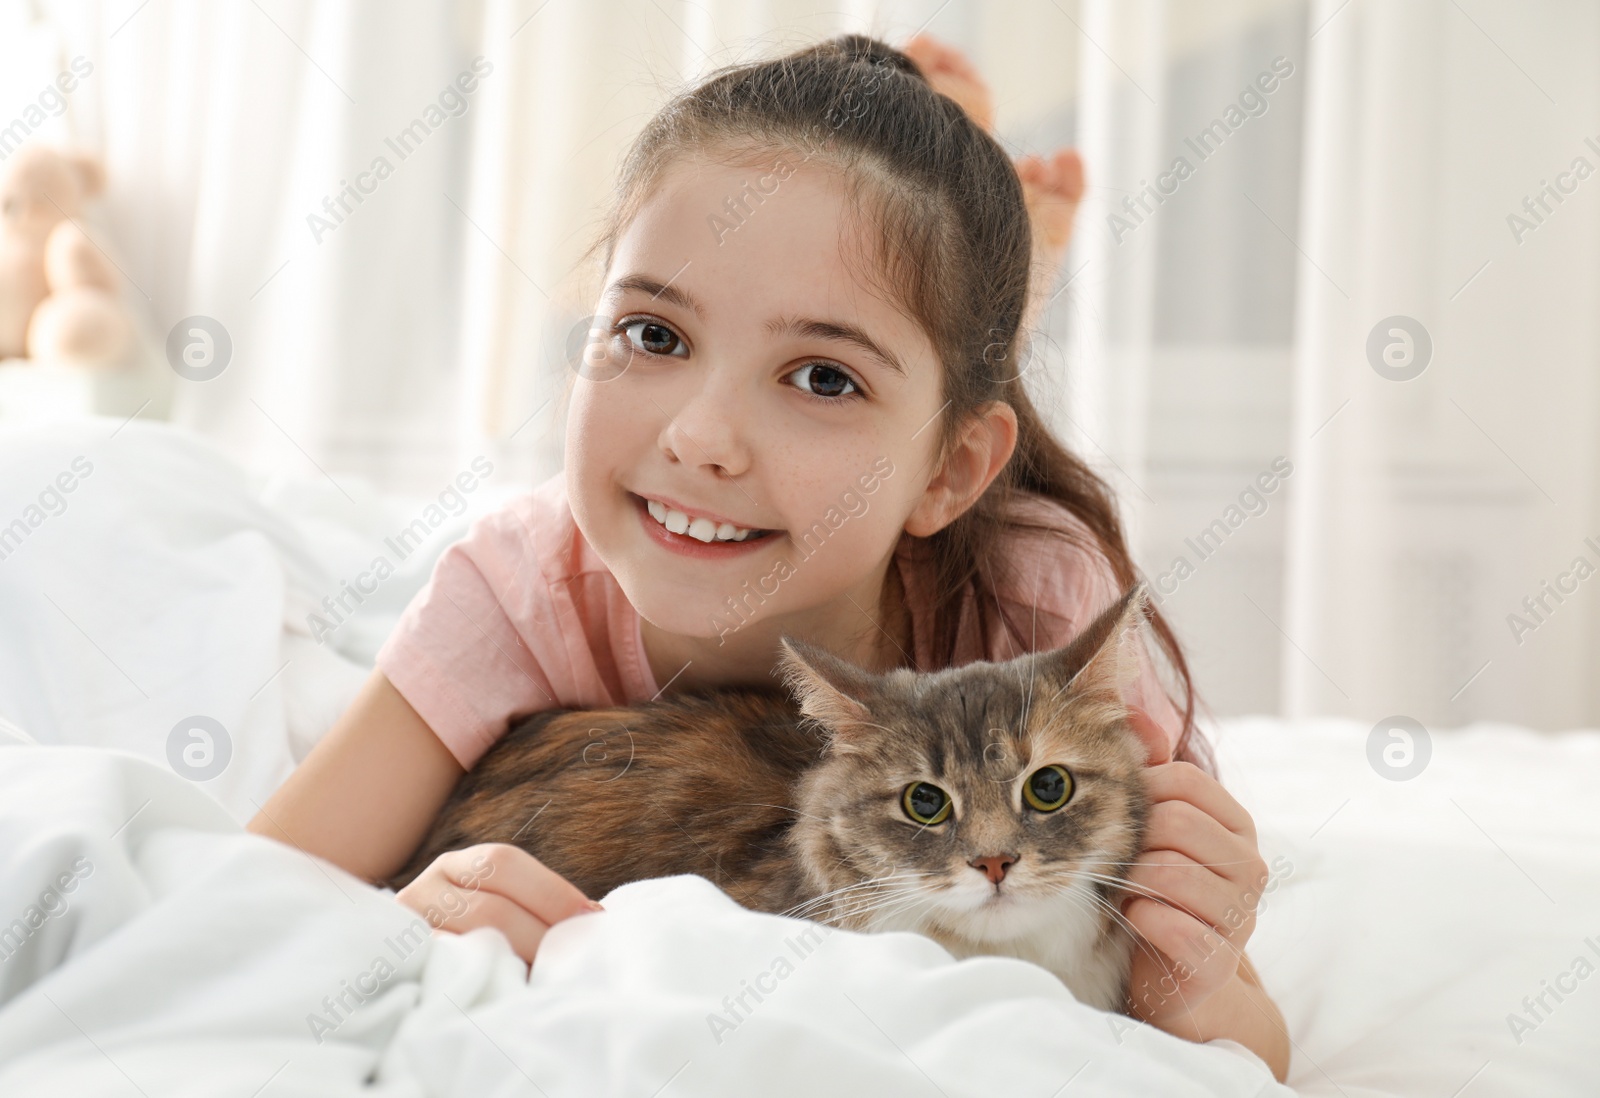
994	807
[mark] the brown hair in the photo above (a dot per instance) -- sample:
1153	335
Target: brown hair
954	246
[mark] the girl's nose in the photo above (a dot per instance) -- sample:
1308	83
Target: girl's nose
708	430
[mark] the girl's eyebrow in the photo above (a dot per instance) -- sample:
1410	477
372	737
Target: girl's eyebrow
646	284
807	328
804	327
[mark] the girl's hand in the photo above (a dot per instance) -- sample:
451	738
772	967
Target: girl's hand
1200	857
498	885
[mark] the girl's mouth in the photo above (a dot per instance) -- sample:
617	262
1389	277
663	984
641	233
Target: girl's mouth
696	536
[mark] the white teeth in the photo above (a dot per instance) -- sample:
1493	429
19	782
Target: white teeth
701	529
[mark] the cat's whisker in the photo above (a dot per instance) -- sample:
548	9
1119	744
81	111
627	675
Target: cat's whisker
857	903
1088	902
780	807
880	917
1125	865
891	906
1143	946
1137	889
1150	894
856	915
859	886
1140	890
1106	878
872	882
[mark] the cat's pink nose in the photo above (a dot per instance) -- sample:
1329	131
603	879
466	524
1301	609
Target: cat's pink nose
993	867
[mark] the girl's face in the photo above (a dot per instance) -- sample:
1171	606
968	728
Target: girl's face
752	382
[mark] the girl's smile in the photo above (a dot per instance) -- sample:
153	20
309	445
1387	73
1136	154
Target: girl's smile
696	533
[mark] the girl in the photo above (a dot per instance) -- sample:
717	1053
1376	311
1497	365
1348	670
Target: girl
805	416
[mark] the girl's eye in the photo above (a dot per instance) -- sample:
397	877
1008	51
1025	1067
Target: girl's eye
821	379
654	336
1048	788
925	803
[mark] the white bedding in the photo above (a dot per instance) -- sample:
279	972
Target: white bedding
1406	924
195	957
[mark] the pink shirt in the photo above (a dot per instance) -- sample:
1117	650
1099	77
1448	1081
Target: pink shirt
522	615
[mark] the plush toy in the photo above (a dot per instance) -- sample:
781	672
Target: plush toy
59	297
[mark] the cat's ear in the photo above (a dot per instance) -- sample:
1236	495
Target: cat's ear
828	689
1104	659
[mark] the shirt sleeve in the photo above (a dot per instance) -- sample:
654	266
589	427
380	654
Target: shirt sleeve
457	655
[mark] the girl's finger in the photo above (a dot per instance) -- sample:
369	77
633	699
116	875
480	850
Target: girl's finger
1181	781
521	929
1168	877
1184	939
1181	827
1157	747
513	873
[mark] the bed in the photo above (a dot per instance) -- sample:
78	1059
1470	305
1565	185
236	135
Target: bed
1434	936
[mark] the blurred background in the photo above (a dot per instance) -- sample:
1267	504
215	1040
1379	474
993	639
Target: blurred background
1343	247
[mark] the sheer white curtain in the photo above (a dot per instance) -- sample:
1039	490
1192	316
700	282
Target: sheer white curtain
1432	508
226	128
1344	163
1230	325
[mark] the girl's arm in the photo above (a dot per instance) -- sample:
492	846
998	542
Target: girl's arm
366	795
369	790
1242	1011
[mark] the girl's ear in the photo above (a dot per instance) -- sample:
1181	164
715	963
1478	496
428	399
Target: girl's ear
828	689
980	452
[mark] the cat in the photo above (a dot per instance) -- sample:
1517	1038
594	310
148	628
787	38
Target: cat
993	807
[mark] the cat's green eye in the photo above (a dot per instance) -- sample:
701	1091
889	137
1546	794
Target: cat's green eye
926	804
1048	788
